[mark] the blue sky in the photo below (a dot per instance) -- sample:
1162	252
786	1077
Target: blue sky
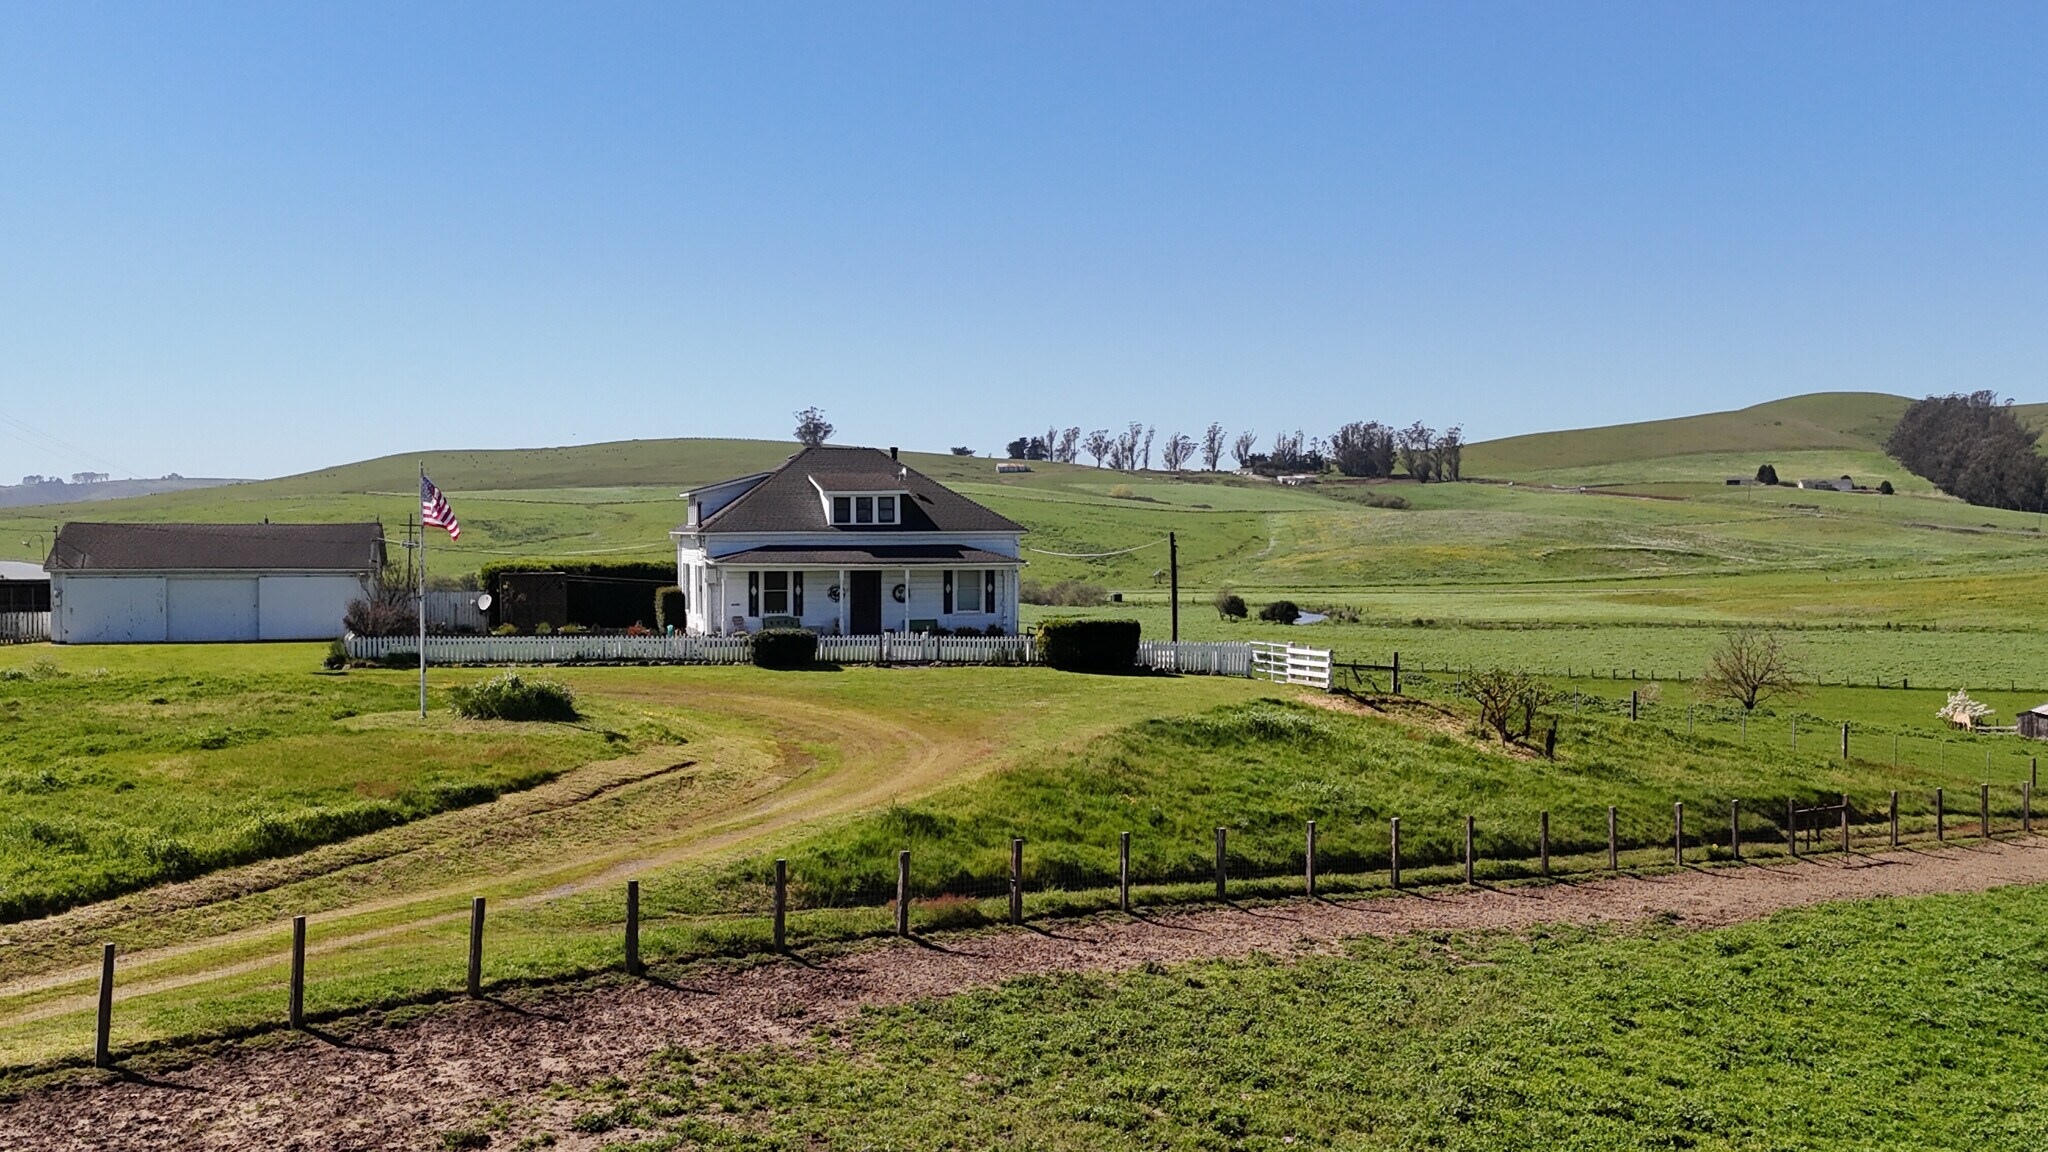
259	240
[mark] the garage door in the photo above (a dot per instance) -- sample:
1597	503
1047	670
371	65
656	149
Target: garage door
203	609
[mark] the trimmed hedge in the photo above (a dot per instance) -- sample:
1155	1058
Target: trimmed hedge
1089	645
669	609
785	648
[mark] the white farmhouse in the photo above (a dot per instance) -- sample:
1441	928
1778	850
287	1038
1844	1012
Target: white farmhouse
846	541
151	583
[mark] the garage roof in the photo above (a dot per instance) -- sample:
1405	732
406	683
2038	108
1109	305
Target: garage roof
89	547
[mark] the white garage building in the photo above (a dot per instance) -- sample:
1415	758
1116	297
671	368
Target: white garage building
190	583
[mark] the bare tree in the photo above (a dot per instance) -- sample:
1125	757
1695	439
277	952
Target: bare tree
1212	446
1098	445
1068	450
1145	453
1505	697
812	428
1751	666
1244	448
1178	450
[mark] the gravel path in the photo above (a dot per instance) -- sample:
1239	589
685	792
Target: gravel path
383	1087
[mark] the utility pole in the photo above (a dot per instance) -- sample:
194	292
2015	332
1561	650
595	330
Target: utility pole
1173	580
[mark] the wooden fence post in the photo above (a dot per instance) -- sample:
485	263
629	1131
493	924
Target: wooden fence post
1468	850
1394	851
903	892
1222	846
1795	733
1845	823
476	946
1309	865
781	902
1845	739
1792	826
1632	701
1678	832
1016	880
2026	806
1543	842
1397	673
102	1047
1123	872
632	927
297	972
1984	810
1735	828
1895	817
1940	817
1613	844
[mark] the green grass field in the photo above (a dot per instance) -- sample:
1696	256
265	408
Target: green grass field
1894	1024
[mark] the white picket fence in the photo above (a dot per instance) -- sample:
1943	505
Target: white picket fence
24	627
1281	663
1291	664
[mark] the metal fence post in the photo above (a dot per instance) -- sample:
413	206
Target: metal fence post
102	1047
632	927
1016	880
781	902
903	892
1222	842
1123	872
1309	865
476	946
297	1008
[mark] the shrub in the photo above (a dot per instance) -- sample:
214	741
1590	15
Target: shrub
571	630
543	629
636	628
383	615
510	696
337	656
669	609
1281	612
1229	605
1337	613
1385	500
1885	488
785	648
1089	645
1121	492
505	630
992	630
1064	594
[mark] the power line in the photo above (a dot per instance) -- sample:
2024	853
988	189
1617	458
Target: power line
1098	555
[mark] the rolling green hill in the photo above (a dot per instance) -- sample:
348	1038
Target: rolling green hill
1850	423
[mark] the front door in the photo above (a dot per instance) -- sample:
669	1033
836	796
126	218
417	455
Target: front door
864	614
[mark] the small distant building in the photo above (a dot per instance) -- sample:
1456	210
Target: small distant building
2033	723
1838	484
189	583
1010	466
23	587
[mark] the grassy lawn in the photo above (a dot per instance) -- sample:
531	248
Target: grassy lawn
1893	1024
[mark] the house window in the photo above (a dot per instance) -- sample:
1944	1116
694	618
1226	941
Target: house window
842	509
774	593
967	590
885	509
863	509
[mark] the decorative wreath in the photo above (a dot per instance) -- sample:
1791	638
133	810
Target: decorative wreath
896	593
832	593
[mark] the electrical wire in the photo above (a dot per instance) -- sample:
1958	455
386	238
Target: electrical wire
1098	555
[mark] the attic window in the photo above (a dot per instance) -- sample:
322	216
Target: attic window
863	509
842	509
885	509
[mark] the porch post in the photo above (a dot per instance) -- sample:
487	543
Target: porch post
845	598
909	595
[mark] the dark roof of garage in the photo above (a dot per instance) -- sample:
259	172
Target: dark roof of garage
90	547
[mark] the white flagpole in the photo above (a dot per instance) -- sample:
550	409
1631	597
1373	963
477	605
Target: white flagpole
423	599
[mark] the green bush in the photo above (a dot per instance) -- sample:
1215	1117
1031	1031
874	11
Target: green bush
785	648
1281	612
337	656
509	696
1229	605
1089	645
505	630
669	609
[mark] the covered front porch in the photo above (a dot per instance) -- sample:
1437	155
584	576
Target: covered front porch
863	594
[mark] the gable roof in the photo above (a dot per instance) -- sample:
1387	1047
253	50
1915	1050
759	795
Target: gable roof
90	547
787	499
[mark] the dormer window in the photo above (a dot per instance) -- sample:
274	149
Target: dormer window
871	509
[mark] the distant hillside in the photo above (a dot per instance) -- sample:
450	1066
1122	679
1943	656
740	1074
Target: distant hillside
29	495
1824	422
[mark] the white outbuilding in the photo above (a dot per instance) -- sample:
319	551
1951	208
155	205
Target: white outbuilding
193	583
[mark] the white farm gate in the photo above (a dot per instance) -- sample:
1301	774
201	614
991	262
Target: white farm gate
1291	664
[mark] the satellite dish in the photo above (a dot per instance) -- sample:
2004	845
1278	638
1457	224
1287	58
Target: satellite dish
483	602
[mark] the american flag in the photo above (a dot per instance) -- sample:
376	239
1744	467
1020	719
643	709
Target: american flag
434	509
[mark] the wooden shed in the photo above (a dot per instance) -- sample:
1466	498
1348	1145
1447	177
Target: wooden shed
2033	723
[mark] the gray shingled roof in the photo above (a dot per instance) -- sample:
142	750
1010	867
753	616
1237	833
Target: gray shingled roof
802	556
787	502
87	547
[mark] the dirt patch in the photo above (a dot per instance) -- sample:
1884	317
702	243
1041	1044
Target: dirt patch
380	1086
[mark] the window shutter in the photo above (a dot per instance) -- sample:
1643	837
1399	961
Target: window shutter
988	582
948	606
753	593
796	594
